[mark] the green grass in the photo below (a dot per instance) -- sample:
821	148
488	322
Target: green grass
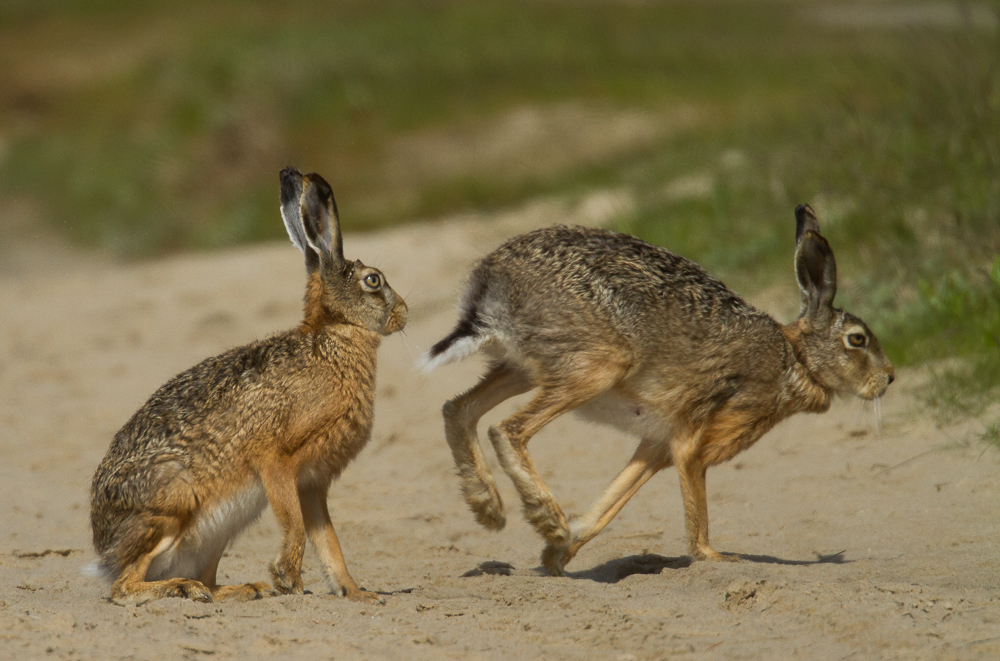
174	138
141	129
905	168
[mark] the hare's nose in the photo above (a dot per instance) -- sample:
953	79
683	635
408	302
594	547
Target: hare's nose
892	377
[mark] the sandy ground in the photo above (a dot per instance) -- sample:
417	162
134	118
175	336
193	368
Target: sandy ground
854	543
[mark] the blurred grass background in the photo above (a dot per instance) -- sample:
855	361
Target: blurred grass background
141	128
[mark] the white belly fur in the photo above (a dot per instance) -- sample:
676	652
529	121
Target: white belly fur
630	415
213	530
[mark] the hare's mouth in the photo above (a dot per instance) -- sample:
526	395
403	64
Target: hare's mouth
874	388
396	322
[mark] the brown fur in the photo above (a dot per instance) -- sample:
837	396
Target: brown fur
630	334
277	419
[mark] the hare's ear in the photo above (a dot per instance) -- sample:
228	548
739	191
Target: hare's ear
805	220
815	267
320	220
291	213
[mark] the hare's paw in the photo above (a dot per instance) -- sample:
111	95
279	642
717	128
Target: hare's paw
711	555
246	592
142	593
364	596
484	500
554	559
561	548
195	591
286	580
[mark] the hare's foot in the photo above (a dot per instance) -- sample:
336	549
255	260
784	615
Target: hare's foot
126	592
557	536
549	520
559	555
485	502
555	557
363	596
246	592
478	487
286	580
711	555
540	508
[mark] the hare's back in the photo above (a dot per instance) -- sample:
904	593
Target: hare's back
614	277
201	415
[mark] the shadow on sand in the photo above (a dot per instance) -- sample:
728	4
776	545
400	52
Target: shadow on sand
613	571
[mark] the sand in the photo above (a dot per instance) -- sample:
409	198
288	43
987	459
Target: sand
855	542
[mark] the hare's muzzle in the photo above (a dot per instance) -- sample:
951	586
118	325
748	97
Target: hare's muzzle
397	318
879	383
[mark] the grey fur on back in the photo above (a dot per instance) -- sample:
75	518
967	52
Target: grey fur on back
549	281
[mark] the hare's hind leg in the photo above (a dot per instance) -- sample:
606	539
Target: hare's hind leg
510	440
131	584
461	416
649	459
324	538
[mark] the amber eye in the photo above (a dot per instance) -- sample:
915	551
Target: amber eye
857	340
373	280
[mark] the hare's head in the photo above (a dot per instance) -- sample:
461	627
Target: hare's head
339	291
837	348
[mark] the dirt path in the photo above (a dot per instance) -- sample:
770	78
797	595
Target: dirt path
854	544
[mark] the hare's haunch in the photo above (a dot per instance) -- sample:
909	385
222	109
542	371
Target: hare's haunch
271	422
635	336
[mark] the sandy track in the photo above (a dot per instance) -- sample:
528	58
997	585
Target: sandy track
854	544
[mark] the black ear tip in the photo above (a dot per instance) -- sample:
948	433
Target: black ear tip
318	180
291	184
289	173
805	220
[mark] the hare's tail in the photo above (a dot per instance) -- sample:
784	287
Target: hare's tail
471	331
460	343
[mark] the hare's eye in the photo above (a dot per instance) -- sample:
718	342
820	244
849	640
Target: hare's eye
373	280
857	340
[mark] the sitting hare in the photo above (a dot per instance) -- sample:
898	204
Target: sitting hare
637	337
271	422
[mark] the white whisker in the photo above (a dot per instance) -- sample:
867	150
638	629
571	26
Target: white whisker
877	405
407	343
862	410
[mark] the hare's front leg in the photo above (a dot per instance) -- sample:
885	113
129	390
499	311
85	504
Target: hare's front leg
461	417
649	458
324	539
282	492
691	469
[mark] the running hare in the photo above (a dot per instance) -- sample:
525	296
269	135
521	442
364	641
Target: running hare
647	341
271	422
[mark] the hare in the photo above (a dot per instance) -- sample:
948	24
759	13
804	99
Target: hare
632	335
274	421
